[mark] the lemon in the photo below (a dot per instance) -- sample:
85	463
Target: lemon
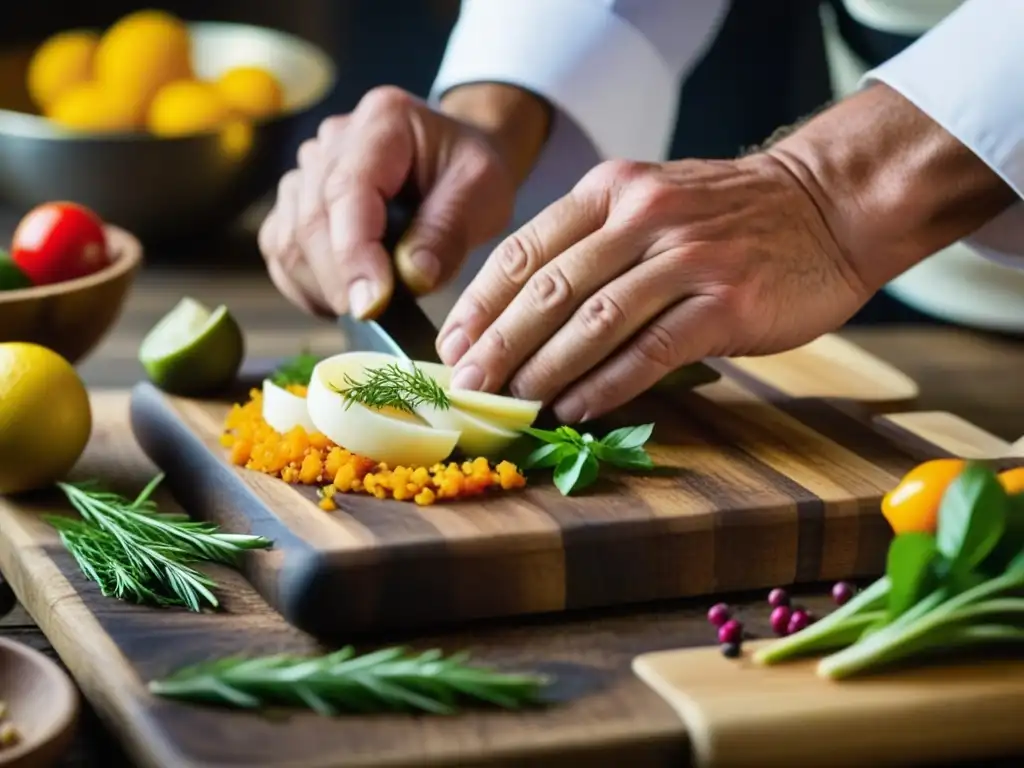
140	54
251	92
192	350
45	418
63	60
187	107
93	107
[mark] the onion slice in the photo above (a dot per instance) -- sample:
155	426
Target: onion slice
284	411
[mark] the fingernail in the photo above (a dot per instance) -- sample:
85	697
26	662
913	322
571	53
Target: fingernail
454	345
470	377
571	410
362	295
422	270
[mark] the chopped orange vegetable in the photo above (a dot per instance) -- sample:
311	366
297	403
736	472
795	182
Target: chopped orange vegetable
305	458
913	505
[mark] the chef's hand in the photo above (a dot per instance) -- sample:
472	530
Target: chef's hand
321	240
643	268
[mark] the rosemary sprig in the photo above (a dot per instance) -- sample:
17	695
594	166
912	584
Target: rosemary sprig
296	370
134	552
391	679
392	386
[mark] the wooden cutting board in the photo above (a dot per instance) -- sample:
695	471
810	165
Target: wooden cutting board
739	714
754	488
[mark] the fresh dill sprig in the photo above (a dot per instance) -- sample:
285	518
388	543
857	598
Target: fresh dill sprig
391	386
134	552
295	370
388	680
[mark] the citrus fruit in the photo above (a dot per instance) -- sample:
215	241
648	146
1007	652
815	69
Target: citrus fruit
251	92
192	350
63	60
93	107
187	107
140	54
59	241
11	276
45	418
913	505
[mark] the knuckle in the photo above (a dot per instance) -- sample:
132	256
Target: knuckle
311	224
651	195
309	153
600	316
656	346
288	184
550	289
495	341
331	128
517	256
613	173
385	98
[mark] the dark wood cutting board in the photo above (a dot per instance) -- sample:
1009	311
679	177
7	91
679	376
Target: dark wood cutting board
754	488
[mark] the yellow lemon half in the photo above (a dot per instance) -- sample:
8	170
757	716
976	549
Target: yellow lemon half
187	107
251	92
62	61
140	54
45	417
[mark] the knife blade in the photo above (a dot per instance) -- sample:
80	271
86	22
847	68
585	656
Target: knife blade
403	329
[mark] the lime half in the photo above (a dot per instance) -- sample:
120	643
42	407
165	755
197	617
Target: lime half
193	351
11	276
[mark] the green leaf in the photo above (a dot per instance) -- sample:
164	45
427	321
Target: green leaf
570	435
575	472
547	455
628	437
546	435
972	517
1011	543
296	370
909	568
623	458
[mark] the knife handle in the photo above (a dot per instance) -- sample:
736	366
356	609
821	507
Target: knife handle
401	210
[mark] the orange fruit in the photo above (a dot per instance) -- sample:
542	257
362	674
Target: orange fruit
140	54
187	107
62	61
913	505
251	92
1012	480
92	107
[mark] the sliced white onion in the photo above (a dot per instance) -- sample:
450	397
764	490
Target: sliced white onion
390	436
508	413
477	437
284	411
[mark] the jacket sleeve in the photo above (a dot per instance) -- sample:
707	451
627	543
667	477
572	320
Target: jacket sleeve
966	73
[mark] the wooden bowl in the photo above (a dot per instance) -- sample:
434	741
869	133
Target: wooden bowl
42	703
72	317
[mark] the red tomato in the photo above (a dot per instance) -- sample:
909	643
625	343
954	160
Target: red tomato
59	241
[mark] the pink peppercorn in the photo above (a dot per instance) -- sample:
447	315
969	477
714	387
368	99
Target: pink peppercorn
730	632
842	592
718	614
778	597
780	619
797	621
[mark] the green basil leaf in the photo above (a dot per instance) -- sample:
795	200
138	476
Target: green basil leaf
623	458
576	472
628	437
972	517
570	434
296	370
547	455
910	570
1011	543
547	435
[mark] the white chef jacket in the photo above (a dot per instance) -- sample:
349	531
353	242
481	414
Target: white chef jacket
613	69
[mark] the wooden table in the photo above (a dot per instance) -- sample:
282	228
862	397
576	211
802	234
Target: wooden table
974	375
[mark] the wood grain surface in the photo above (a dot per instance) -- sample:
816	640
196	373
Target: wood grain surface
741	714
753	488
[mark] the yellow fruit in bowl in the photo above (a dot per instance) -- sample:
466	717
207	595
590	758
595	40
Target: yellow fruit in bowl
251	92
62	61
141	53
45	417
93	107
187	107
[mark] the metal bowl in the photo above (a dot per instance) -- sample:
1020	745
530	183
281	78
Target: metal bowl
161	188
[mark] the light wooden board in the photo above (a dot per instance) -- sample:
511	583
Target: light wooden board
740	714
754	488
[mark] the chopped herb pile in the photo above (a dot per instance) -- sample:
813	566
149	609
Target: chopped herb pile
387	680
576	458
392	386
961	587
297	370
136	553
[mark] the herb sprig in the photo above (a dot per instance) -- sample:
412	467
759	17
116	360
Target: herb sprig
576	457
136	553
962	587
391	679
296	370
392	386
